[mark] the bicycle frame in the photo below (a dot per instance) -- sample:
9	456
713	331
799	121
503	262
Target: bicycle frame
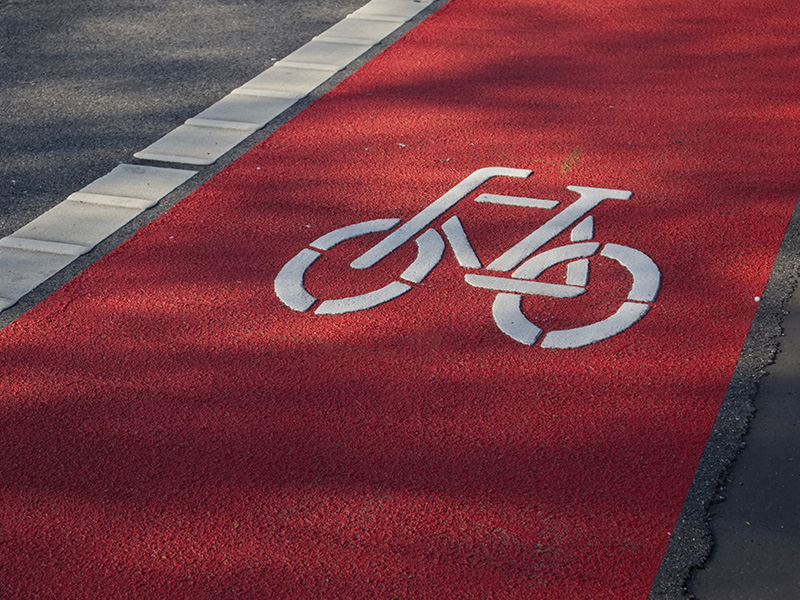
589	199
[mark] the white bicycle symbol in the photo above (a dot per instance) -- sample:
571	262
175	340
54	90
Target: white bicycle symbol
522	259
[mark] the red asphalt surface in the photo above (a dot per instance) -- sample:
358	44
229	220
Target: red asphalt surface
170	429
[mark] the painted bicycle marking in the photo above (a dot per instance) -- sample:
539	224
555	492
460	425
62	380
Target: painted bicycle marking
523	261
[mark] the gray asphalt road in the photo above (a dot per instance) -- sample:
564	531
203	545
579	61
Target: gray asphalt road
85	84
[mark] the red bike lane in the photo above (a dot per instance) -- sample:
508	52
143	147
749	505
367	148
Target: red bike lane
173	429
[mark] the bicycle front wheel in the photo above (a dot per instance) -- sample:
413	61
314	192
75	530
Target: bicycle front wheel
646	277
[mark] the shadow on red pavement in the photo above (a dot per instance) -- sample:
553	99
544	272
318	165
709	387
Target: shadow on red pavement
170	424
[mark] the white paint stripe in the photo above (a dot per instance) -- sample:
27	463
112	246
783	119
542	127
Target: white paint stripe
578	272
363	301
522	286
583	231
646	276
516	201
464	253
539	263
437	208
289	281
430	248
627	315
589	198
330	239
507	312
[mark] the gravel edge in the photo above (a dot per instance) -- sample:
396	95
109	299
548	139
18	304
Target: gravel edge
692	540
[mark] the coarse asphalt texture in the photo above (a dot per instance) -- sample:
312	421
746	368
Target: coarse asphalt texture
67	428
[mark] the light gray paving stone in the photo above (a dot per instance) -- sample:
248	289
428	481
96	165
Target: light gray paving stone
47	247
89	216
396	8
363	28
328	53
78	223
332	39
138	181
289	80
217	123
386	18
280	95
21	270
43	247
294	64
195	145
120	201
253	110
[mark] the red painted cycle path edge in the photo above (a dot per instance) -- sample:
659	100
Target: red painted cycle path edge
171	430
